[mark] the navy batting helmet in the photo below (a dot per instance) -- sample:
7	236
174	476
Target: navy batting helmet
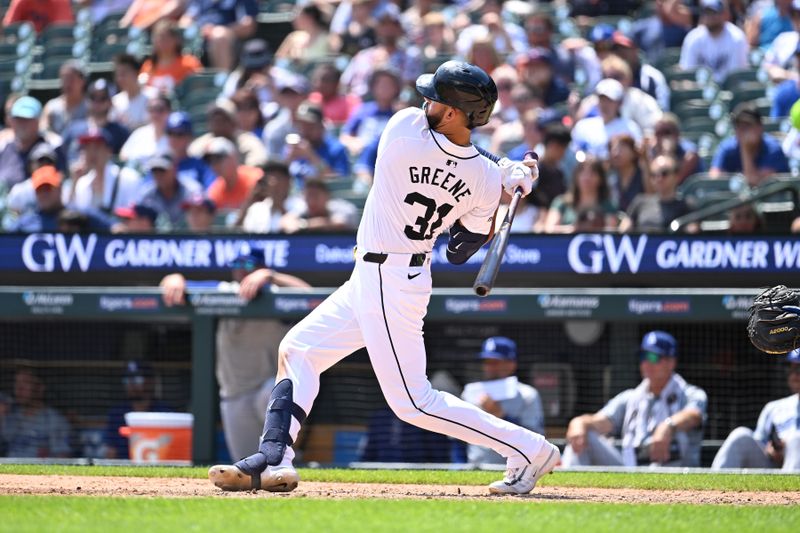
463	86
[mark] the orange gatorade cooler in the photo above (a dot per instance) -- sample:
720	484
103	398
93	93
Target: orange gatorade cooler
159	437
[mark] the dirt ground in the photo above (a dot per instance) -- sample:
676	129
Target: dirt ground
186	488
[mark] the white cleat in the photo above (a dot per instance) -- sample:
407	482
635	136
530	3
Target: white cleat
522	480
273	479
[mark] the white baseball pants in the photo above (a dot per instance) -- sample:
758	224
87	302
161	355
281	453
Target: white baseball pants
382	307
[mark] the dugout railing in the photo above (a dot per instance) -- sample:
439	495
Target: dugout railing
578	346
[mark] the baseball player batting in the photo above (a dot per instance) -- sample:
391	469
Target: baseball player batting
428	178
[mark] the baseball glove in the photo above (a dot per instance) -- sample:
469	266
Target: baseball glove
774	325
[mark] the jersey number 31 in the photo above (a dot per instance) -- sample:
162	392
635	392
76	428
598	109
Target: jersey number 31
420	230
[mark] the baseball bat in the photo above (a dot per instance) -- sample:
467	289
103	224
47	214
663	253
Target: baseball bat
484	282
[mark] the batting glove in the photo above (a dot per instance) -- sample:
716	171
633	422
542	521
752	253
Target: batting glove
517	175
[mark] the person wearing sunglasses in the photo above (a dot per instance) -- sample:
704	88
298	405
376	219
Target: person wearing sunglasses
660	421
247	349
775	443
654	212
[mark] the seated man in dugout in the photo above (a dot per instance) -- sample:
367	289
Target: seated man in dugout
660	421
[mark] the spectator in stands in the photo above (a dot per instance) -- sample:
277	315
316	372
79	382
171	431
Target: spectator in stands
625	173
310	40
390	440
768	21
105	186
780	59
101	10
24	121
180	136
660	421
168	66
589	189
529	218
319	212
436	39
248	112
637	105
505	78
602	8
787	92
387	53
99	97
359	33
222	25
643	76
145	141
533	124
130	103
199	212
46	183
28	426
234	181
654	212
536	69
72	221
292	91
7	133
314	152
364	167
135	218
483	54
41	13
337	108
414	17
667	141
667	28
776	441
744	220
716	44
247	349
70	106
510	134
494	394
21	197
138	380
143	14
507	36
270	200
757	155
555	162
167	191
254	72
539	30
370	118
222	123
591	134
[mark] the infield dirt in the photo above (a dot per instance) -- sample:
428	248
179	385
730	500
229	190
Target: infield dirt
189	487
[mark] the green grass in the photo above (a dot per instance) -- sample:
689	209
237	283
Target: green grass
754	482
39	513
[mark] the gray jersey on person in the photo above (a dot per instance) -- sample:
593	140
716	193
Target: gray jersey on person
690	396
44	433
524	409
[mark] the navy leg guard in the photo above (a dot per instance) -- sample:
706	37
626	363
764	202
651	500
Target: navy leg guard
280	411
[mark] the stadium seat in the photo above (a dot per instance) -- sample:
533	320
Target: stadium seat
747	91
700	186
680	94
739	76
669	59
696	107
57	32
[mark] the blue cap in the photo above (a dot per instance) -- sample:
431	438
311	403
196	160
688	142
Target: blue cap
713	5
602	32
138	368
659	342
501	348
252	260
793	356
179	122
26	107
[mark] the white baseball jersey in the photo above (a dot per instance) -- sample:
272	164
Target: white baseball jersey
423	184
783	415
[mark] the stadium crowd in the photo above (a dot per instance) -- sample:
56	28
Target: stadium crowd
642	112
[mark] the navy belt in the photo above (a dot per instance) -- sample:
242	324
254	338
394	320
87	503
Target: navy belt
417	260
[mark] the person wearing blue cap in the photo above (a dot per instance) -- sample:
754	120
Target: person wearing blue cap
180	135
515	402
715	44
167	191
775	443
247	349
23	119
660	421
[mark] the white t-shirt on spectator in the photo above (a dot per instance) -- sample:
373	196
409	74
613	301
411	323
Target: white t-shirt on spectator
261	218
516	38
126	192
132	113
591	135
722	54
142	145
781	52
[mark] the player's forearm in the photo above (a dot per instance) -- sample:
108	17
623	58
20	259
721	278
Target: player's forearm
687	419
286	280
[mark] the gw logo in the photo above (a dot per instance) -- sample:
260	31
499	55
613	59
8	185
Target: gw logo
41	250
593	254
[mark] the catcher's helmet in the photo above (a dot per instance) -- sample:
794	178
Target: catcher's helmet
463	86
